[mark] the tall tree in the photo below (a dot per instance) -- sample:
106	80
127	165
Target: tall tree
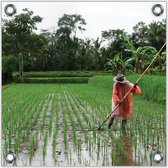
157	34
140	31
153	34
115	41
67	42
19	28
97	53
72	23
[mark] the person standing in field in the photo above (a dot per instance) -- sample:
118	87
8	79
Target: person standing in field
124	110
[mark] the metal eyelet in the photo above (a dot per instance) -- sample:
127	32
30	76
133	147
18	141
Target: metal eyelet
10	157
7	8
157	157
157	13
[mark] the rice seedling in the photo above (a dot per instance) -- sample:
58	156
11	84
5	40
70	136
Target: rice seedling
44	114
65	138
71	118
76	112
66	110
31	147
79	143
45	145
51	119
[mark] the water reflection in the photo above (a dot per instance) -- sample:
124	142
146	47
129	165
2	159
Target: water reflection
122	149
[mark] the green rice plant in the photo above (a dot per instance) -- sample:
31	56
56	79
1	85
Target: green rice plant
80	107
87	163
15	147
9	138
76	111
51	120
54	142
31	147
38	110
122	150
151	157
23	126
70	156
112	156
44	113
55	130
158	141
90	145
65	123
5	147
79	142
71	119
98	142
22	109
45	145
65	137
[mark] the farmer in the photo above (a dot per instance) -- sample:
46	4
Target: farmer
124	110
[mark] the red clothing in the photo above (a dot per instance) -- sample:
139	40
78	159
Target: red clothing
124	110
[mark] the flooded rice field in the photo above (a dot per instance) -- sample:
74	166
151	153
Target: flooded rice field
56	125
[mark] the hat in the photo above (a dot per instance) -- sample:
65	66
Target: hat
120	78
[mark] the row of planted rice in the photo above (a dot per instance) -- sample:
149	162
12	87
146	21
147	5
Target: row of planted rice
44	120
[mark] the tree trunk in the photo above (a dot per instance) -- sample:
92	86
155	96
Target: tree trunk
21	67
140	67
20	62
136	66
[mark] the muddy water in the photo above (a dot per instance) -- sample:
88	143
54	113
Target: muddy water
100	148
90	154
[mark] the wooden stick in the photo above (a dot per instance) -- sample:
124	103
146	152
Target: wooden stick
132	87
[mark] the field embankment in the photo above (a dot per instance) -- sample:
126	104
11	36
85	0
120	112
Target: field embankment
57	76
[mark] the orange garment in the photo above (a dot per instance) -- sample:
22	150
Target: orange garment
124	110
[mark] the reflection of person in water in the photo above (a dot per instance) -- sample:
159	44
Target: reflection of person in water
125	159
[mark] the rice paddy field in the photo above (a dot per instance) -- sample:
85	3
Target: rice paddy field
56	124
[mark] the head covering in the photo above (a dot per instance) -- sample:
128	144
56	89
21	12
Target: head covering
120	78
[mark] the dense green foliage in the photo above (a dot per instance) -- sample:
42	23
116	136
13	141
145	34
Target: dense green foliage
56	80
8	66
17	33
61	49
58	74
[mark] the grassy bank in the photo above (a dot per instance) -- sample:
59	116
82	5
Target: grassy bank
57	76
153	87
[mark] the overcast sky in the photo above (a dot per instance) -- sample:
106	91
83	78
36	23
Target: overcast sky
99	16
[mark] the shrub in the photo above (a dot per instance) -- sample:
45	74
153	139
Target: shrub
56	80
8	66
58	74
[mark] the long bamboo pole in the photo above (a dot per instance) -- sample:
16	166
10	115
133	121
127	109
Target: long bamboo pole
132	87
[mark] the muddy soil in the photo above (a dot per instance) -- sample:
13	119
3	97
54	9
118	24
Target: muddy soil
100	148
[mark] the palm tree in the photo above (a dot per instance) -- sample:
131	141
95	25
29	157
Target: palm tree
157	34
97	53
